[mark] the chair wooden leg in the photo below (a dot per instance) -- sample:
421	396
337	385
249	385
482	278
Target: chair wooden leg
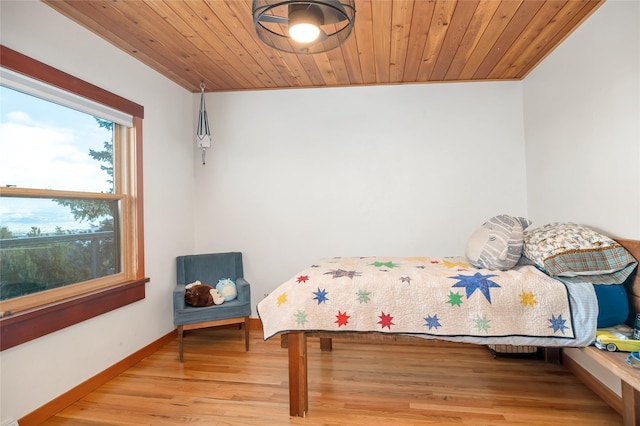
246	333
180	343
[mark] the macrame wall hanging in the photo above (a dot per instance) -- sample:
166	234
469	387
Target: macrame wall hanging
203	134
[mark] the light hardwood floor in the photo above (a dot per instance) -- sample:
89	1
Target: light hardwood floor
359	383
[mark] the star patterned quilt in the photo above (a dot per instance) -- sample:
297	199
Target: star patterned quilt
429	296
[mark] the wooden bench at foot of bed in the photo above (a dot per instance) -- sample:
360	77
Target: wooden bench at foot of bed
628	405
296	343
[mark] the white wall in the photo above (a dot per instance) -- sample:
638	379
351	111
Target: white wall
296	175
582	128
582	125
36	372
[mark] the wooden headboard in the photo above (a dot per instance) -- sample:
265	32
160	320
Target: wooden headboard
633	282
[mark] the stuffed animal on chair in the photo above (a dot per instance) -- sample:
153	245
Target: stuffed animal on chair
497	244
199	295
227	289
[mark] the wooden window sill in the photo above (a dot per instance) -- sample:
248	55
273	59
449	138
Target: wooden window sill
29	325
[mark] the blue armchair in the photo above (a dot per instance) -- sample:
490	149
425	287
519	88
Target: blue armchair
208	269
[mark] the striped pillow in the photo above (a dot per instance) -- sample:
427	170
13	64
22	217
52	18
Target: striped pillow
497	244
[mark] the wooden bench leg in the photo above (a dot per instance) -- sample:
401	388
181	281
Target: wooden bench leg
298	390
630	405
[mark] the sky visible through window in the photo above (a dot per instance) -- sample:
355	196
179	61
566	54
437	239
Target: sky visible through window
46	146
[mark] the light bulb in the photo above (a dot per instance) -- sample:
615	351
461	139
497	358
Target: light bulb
304	32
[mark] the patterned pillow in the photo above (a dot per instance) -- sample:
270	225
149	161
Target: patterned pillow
577	254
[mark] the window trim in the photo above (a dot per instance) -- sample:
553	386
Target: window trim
31	324
24	83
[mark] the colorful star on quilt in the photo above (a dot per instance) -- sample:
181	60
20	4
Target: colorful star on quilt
301	317
528	299
339	273
385	320
363	296
455	299
302	279
450	264
432	321
389	265
282	299
342	318
558	323
321	296
482	324
476	282
405	280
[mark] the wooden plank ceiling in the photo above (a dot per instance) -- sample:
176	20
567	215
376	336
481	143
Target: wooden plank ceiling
393	42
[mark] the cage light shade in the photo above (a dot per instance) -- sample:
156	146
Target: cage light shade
276	22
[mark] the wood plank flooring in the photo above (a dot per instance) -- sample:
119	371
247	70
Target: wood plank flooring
359	383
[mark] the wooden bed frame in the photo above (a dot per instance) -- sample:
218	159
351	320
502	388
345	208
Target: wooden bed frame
633	283
296	342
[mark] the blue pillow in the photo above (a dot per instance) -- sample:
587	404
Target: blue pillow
613	304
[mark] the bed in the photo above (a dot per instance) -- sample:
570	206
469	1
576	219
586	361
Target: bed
445	298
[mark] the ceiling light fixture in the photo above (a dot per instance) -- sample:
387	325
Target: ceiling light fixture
304	22
311	26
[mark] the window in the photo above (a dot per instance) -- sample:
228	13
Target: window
71	234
